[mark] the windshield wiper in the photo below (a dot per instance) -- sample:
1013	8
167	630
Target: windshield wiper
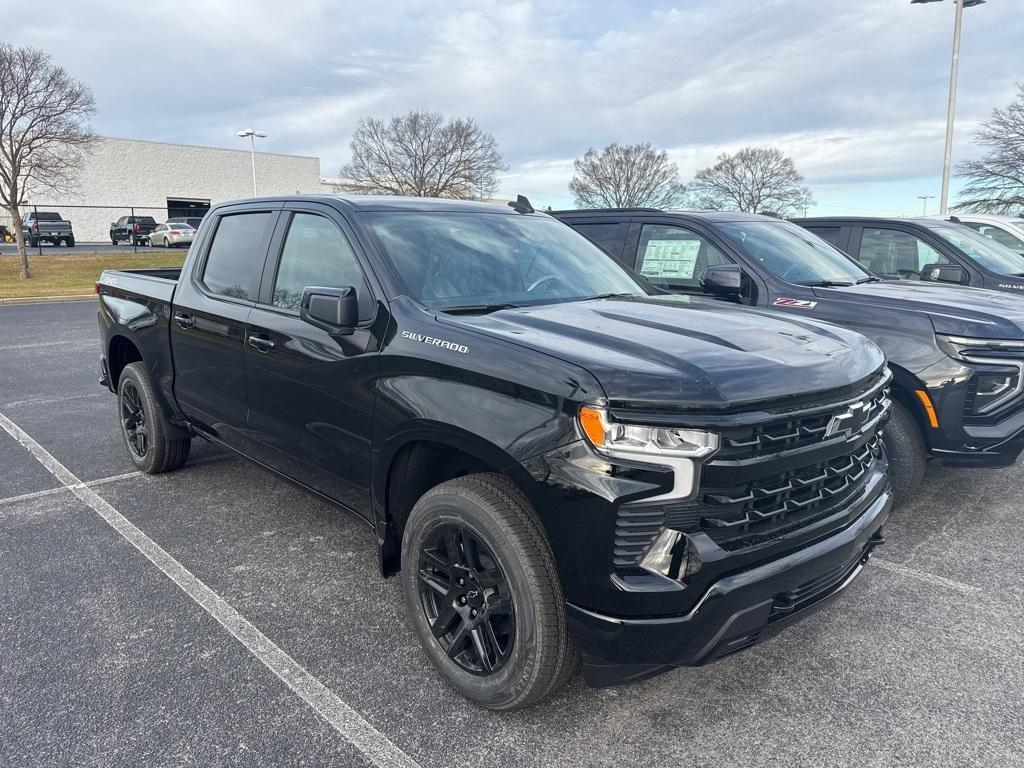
871	279
475	309
607	296
825	284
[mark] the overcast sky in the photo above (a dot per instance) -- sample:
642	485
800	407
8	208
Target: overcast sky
854	90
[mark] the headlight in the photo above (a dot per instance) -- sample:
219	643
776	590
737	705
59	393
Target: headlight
680	449
993	387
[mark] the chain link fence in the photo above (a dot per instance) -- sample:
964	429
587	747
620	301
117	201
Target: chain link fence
68	228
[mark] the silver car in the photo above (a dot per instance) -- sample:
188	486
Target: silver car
170	235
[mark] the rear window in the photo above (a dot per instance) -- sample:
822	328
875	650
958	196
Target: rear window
235	259
828	234
611	238
47	216
143	220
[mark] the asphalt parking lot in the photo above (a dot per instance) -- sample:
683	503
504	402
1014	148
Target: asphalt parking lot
298	653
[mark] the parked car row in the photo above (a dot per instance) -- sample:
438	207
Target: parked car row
143	230
650	446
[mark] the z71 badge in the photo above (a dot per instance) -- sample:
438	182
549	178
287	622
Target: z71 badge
796	303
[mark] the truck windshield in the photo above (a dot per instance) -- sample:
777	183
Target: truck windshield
490	260
990	254
793	254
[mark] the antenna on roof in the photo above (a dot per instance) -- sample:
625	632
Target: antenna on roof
521	205
773	214
955	219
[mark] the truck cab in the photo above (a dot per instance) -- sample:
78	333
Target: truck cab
957	353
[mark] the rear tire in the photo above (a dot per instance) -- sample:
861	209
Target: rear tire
142	427
908	455
508	570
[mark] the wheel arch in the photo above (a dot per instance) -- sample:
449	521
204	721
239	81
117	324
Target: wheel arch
903	391
418	459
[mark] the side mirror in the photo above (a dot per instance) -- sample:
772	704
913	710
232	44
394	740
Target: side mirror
335	310
945	273
723	280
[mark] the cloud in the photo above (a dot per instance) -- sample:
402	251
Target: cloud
856	91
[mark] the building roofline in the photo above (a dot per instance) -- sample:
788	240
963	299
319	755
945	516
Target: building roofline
203	146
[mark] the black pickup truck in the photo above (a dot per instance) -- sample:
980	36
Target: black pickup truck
559	464
957	353
135	230
933	250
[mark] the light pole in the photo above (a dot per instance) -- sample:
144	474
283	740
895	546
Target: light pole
926	198
252	135
947	158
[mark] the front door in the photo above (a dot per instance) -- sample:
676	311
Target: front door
211	307
311	393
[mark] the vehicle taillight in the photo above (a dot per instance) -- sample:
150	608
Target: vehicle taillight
35	226
138	228
98	284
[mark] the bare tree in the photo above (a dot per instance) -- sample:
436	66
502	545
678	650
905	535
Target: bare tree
422	154
631	176
754	179
44	131
995	182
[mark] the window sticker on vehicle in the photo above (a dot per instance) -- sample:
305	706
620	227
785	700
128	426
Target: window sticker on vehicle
670	258
796	303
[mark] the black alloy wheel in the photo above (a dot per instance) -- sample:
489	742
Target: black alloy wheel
466	599
133	420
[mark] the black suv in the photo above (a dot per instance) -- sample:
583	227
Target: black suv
957	353
933	250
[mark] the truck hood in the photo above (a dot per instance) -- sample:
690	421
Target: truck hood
951	309
680	354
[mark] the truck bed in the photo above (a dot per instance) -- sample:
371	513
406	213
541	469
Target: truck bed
156	283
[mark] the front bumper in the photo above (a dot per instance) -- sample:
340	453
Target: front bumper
734	613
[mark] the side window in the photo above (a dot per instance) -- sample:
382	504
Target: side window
610	238
829	234
1001	236
317	253
674	257
893	253
236	256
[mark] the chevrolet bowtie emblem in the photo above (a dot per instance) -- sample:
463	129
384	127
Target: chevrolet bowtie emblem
850	422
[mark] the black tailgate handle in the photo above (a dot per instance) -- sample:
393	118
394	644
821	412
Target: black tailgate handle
185	321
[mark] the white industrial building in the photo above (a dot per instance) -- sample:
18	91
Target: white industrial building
163	180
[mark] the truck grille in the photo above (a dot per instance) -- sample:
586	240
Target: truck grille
770	478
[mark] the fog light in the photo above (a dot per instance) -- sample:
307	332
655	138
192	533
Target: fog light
672	554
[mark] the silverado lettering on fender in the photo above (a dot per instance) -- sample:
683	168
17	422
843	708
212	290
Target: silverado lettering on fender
560	465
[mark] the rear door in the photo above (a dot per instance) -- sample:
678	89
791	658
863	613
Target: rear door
311	394
211	306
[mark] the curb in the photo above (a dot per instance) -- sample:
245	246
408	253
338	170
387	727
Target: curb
48	299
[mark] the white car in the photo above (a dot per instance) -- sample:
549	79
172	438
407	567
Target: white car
170	235
1005	230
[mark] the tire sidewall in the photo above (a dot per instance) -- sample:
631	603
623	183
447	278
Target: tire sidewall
153	457
502	689
905	448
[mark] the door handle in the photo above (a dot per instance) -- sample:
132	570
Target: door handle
185	321
262	343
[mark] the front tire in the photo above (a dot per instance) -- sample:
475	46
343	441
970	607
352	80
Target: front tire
142	426
481	588
908	455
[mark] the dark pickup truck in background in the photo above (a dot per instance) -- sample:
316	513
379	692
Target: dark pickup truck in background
957	353
47	227
559	464
927	249
133	229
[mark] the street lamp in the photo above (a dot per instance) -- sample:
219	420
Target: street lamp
926	198
252	135
951	109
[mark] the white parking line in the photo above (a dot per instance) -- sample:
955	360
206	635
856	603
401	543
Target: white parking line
65	488
373	744
930	578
